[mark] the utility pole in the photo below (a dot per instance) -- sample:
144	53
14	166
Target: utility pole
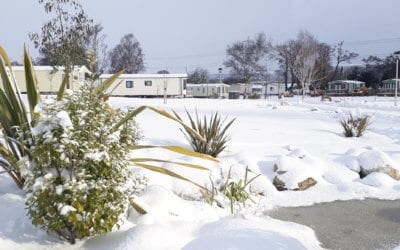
397	55
165	85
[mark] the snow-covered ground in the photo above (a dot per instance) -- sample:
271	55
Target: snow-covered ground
303	138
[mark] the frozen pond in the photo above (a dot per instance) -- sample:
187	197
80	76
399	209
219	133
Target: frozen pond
355	224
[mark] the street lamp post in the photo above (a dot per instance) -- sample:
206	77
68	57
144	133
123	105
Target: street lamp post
397	55
220	75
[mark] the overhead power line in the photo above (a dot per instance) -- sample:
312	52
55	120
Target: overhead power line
217	53
374	41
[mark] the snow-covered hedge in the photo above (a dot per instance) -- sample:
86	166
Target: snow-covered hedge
78	182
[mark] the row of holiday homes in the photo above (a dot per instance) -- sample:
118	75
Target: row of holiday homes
176	85
140	85
50	79
352	87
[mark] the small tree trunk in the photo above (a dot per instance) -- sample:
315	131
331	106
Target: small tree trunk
335	72
286	77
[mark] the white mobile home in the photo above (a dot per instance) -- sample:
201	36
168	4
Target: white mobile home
389	87
50	78
274	88
148	85
241	88
212	90
344	87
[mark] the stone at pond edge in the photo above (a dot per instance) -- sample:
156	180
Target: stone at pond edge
377	161
303	185
280	185
392	172
307	183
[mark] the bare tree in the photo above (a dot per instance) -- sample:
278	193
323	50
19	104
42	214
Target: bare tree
197	76
285	54
96	49
62	39
341	55
127	55
323	64
246	58
375	67
305	64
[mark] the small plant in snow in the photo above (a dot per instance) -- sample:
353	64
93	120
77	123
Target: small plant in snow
236	191
213	130
355	126
77	181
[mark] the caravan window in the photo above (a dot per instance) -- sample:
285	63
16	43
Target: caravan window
148	83
129	84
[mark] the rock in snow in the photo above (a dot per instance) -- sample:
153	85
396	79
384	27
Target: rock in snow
377	161
368	160
293	174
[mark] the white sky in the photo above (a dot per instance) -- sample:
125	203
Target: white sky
180	34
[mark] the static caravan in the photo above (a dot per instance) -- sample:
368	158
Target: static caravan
389	87
241	88
212	90
50	78
344	87
274	88
148	85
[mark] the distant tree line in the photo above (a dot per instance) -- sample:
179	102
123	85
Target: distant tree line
303	60
375	70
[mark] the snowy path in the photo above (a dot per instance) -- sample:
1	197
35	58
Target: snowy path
366	224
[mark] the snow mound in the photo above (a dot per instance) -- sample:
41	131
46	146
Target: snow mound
378	180
292	171
162	205
367	161
374	159
350	162
251	233
243	239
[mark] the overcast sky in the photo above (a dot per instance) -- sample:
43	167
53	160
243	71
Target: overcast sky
180	34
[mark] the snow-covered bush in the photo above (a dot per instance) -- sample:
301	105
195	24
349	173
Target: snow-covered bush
77	181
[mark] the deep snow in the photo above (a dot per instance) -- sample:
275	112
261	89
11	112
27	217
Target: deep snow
302	136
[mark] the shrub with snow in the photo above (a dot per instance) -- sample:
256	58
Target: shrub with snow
355	126
77	182
213	130
232	189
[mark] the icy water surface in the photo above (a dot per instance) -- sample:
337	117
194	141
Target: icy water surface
356	224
